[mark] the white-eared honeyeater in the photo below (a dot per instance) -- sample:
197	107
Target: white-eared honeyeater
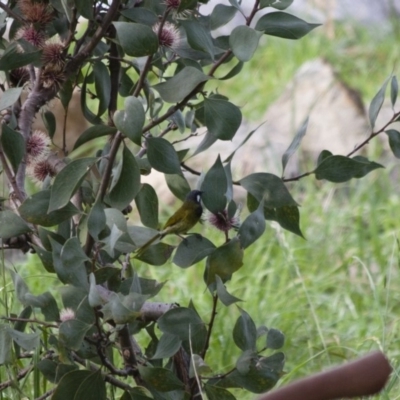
184	219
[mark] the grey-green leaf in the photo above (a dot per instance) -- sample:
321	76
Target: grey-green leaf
137	40
199	38
9	97
341	169
192	250
34	210
222	118
394	90
94	132
245	332
252	227
221	15
244	41
147	205
376	104
12	225
294	145
181	84
162	155
127	185
214	187
226	298
67	182
268	187
167	346
394	141
13	145
284	25
130	121
275	339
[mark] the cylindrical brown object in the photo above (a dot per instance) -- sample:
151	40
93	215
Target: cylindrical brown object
365	376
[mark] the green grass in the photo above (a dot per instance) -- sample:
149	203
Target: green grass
335	295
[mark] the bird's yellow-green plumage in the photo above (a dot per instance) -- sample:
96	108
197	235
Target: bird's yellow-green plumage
184	219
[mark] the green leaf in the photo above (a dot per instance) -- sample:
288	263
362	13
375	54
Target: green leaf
162	156
262	373
180	85
12	58
221	15
73	260
28	341
85	8
161	379
394	90
244	41
199	38
275	339
157	254
178	185
102	84
136	40
141	15
224	261
94	132
92	388
167	346
294	145
217	393
21	288
69	384
96	220
9	97
284	25
206	143
130	121
341	169
47	304
214	187
233	72
245	332
376	104
394	142
13	145
67	182
288	218
252	227
12	225
34	210
268	187
278	4
226	298
72	333
147	205
127	185
222	118
50	123
192	250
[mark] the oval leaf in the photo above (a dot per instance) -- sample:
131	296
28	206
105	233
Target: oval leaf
13	145
131	120
94	132
137	40
147	205
34	210
222	118
244	41
214	187
162	156
192	250
12	225
128	184
180	85
252	228
284	25
376	104
394	141
67	182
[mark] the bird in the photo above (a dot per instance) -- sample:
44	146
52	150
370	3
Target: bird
184	219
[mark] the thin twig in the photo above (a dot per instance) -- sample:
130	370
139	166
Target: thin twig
46	395
210	326
34	321
11	13
20	375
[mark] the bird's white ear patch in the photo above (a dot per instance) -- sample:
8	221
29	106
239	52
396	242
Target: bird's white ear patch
198	197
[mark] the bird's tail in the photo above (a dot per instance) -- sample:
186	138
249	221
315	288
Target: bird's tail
144	247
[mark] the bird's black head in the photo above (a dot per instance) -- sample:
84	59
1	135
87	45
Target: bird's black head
194	195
